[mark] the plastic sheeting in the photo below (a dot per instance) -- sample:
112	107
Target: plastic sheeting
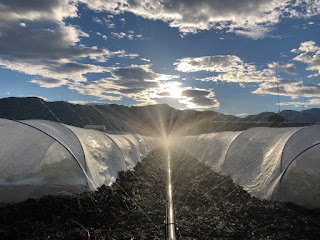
39	157
280	164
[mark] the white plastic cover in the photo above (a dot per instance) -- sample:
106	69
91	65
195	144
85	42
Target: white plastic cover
300	182
39	157
264	161
32	164
63	135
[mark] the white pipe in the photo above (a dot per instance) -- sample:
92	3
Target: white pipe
170	225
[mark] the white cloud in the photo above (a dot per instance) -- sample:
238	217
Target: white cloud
137	82
50	50
71	71
52	10
309	53
108	22
194	98
122	35
49	82
97	20
124	54
250	18
144	59
289	88
219	63
111	25
199	98
254	31
249	75
57	43
102	35
119	35
308	47
230	68
310	102
242	114
287	68
86	102
245	17
304	8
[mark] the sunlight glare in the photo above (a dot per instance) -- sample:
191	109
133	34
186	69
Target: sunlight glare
175	92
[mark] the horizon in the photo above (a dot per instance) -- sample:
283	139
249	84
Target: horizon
231	58
155	104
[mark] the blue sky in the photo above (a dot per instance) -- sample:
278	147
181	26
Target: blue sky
228	56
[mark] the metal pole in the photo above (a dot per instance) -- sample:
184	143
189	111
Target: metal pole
170	224
278	89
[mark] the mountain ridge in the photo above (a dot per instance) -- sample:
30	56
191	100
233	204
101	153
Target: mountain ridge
139	119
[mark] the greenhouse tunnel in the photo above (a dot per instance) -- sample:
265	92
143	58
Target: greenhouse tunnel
280	164
40	157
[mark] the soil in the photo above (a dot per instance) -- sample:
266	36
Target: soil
207	206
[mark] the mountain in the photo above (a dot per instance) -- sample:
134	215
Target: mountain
305	116
261	117
309	116
148	120
151	119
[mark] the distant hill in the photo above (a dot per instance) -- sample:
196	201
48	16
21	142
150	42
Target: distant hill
139	119
305	116
149	120
309	116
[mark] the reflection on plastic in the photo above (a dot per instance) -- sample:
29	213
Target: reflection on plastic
39	157
257	158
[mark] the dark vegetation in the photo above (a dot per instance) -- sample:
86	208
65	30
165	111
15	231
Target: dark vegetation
207	206
145	119
276	120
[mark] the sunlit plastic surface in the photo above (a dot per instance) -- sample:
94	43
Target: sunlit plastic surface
39	157
259	158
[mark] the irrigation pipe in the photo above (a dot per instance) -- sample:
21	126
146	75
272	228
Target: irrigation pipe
170	223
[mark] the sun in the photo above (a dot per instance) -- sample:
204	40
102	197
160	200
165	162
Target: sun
175	92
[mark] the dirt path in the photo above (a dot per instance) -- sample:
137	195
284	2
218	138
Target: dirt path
207	206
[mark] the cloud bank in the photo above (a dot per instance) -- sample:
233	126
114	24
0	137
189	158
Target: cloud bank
309	53
36	40
230	68
250	18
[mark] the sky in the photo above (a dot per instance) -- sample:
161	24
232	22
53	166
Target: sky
230	56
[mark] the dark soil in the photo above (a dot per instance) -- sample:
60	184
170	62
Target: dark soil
211	206
207	206
132	208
